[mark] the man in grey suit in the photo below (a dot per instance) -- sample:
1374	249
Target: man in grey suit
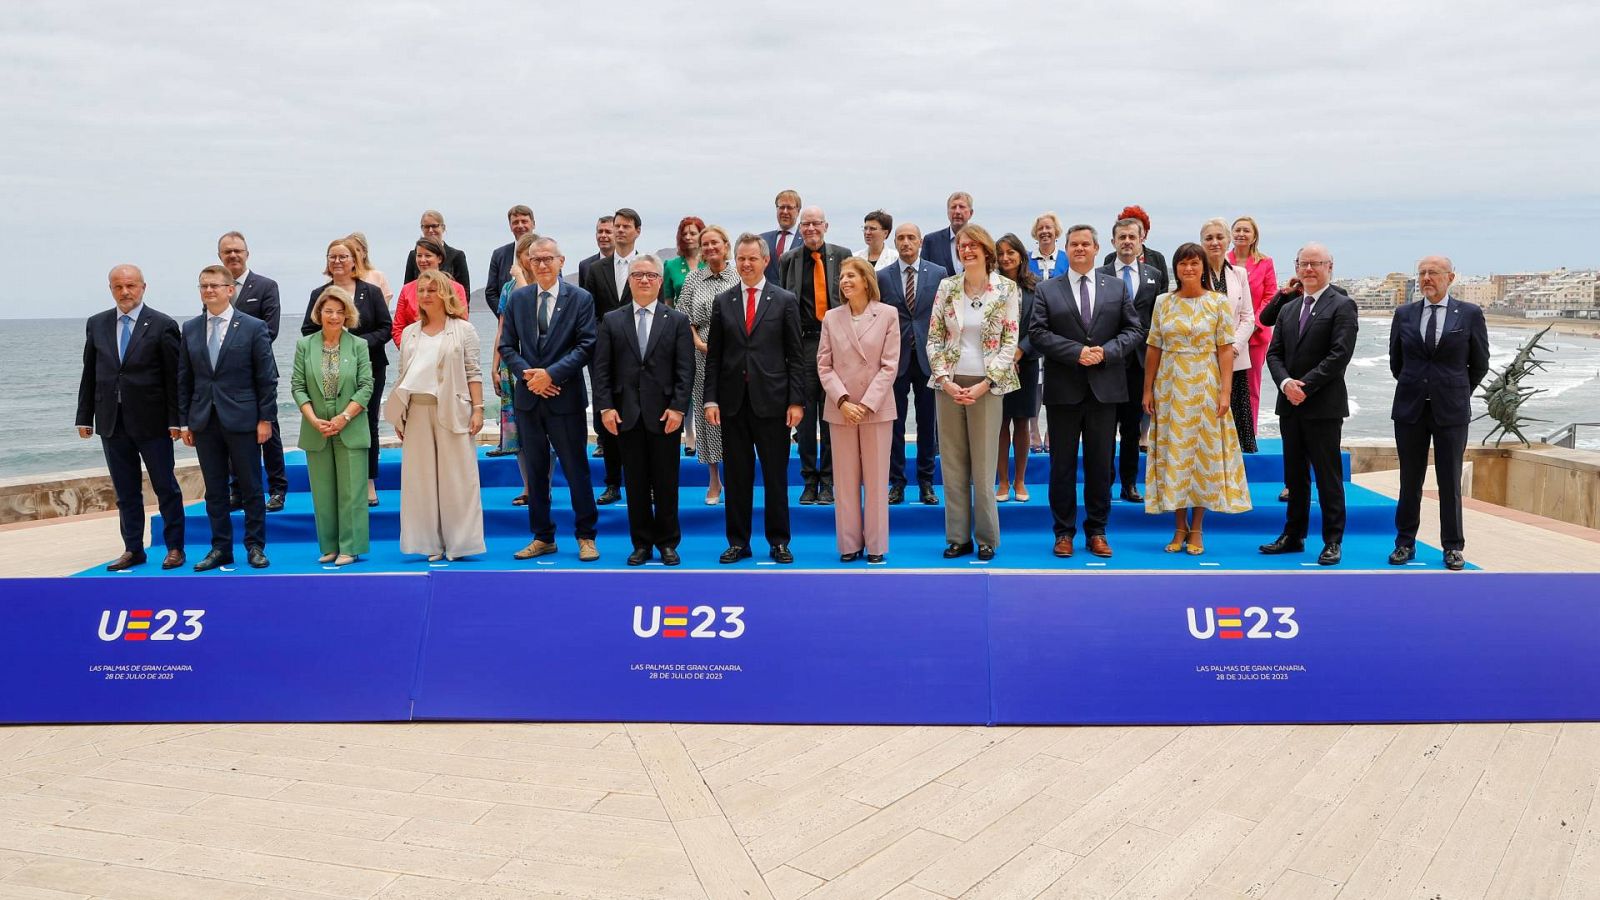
811	272
1085	326
909	286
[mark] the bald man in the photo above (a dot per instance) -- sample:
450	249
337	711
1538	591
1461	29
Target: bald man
811	272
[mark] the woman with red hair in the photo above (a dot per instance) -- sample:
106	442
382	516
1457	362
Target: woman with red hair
1151	258
675	270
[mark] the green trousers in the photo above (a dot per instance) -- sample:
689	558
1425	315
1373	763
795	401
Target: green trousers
338	476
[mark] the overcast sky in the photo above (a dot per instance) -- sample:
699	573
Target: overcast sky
139	133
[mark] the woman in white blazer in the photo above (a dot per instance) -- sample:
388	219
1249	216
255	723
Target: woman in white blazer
436	408
1226	278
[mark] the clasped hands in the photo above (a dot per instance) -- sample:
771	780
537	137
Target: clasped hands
966	396
1091	356
538	381
1295	390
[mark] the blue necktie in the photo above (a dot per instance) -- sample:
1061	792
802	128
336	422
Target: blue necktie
214	340
122	339
643	328
1127	279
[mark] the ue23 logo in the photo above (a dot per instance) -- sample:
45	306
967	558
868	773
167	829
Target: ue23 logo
1228	622
674	621
151	625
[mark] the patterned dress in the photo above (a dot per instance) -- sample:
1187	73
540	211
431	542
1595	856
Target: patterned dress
696	300
1194	454
506	388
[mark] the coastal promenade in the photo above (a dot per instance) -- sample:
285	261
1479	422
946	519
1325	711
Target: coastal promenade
494	811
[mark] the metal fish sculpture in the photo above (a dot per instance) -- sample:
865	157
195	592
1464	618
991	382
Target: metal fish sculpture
1505	393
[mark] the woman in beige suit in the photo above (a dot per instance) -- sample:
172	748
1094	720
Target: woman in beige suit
857	361
436	408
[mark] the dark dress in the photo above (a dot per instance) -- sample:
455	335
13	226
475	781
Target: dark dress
1023	403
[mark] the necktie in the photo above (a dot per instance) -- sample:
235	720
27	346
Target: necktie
1127	279
1305	313
642	327
1083	300
1432	338
214	340
749	309
122	338
783	241
819	284
911	290
544	312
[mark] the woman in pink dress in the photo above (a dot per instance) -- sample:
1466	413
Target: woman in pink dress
1246	252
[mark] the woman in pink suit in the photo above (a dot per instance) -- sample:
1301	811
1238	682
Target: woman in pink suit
857	361
1246	252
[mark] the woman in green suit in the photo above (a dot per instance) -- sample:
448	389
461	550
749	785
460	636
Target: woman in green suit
332	385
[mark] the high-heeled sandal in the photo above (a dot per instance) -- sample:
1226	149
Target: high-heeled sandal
1002	496
1180	541
1194	547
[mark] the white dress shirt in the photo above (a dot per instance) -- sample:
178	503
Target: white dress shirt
619	265
1073	278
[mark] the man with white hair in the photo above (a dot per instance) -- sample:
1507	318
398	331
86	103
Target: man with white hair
811	272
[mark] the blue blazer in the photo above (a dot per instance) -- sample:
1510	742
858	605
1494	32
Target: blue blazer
1057	265
913	329
243	388
936	249
1059	334
1446	377
1152	284
499	273
771	237
258	299
563	352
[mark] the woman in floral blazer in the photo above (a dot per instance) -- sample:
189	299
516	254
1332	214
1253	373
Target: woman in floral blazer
972	348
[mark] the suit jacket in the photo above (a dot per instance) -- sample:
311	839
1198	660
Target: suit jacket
1317	357
562	353
584	265
454	265
355	383
861	366
458	367
771	237
793	274
376	327
936	249
999	331
601	284
641	388
1060	335
913	328
499	273
1268	317
1446	377
1242	305
241	391
139	392
1154	260
258	298
763	370
1151	284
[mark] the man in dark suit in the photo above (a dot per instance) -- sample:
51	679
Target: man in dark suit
602	240
909	286
256	296
1131	244
455	262
643	379
1085	327
1310	350
785	237
608	283
939	247
520	217
1144	283
547	336
1438	353
227	396
811	272
129	395
755	389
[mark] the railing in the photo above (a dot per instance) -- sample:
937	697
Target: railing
1566	435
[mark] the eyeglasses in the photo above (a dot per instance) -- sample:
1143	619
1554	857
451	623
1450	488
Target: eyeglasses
342	258
543	260
427	227
1431	273
209	286
644	276
1312	263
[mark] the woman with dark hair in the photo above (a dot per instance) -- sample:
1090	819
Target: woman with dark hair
429	256
1194	462
1233	282
1018	407
676	270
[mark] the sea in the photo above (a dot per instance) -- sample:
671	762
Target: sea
41	363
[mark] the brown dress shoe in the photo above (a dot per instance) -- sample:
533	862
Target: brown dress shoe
174	559
536	548
1064	546
1098	545
127	560
587	552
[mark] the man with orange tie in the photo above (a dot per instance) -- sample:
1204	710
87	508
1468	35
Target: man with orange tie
811	272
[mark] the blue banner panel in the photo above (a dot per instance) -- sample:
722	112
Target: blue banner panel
313	648
1295	648
706	647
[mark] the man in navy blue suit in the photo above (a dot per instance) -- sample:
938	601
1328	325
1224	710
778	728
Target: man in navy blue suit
256	296
547	337
227	395
939	247
1146	283
602	242
1439	353
129	395
1085	326
909	286
783	238
520	218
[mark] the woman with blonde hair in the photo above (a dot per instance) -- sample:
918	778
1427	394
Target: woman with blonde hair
1246	252
332	385
698	302
364	270
437	409
1048	261
1232	282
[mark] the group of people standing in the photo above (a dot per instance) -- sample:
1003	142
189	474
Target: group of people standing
749	343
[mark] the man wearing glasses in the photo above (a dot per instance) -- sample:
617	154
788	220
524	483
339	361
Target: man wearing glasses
1310	350
811	272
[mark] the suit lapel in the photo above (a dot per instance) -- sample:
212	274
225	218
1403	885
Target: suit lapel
761	306
658	323
134	336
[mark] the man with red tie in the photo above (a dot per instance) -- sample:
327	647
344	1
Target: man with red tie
784	238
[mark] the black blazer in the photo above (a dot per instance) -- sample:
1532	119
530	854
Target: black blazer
1152	284
583	267
258	299
1269	313
1058	334
792	275
562	352
642	389
241	391
1154	260
1446	377
913	329
601	283
377	327
140	392
1318	357
499	273
454	265
764	369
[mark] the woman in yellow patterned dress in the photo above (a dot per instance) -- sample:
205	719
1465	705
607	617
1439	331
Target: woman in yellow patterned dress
1194	462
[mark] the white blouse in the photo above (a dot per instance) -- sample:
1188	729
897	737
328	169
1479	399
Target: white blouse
423	376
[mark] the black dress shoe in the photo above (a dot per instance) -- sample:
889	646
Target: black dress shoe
985	552
1330	555
1283	544
235	502
275	503
875	558
688	451
257	557
849	557
639	556
780	554
214	560
928	496
951	551
1132	495
825	495
1455	560
734	554
175	558
498	451
897	495
608	496
599	451
808	497
670	557
1402	555
1283	496
127	560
